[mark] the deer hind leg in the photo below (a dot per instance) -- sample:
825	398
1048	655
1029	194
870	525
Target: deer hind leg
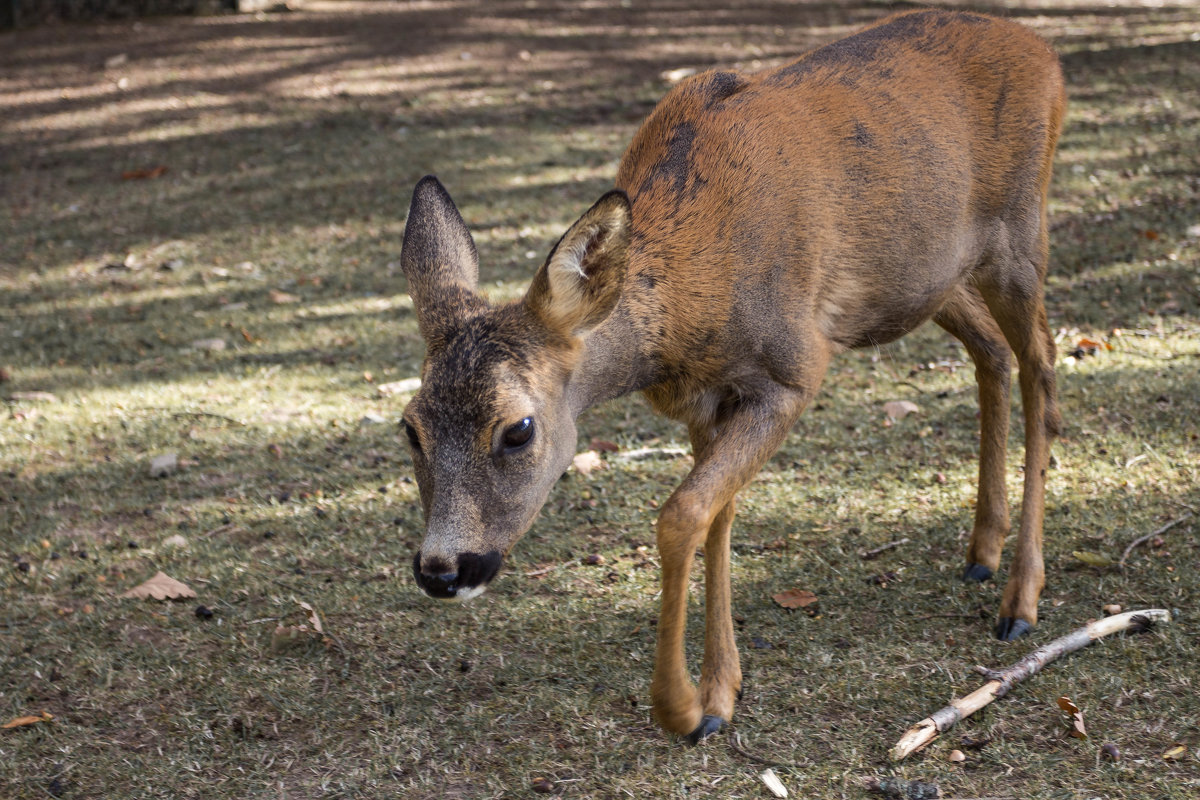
1013	292
738	443
967	318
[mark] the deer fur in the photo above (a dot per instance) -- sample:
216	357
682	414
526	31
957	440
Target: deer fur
761	224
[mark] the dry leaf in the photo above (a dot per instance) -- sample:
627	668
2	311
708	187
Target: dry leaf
1072	710
603	446
21	722
282	298
143	174
313	619
1093	559
587	462
957	756
795	598
1175	753
161	587
899	409
1112	608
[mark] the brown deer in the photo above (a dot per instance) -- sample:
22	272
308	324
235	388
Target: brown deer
762	223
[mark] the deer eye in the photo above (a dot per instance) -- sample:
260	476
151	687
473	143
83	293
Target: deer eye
516	436
413	440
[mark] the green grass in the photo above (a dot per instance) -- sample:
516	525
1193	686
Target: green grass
291	143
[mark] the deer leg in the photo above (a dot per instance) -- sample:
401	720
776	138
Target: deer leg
721	673
966	317
740	441
1022	316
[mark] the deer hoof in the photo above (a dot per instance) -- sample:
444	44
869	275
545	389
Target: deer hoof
976	572
1009	629
708	726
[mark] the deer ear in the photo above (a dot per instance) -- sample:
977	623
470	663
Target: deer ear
580	283
440	262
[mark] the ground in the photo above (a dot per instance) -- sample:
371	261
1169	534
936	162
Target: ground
199	248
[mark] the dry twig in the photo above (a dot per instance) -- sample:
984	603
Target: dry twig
1001	681
1136	542
868	555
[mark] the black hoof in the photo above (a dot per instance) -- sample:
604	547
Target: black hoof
1009	629
976	572
708	726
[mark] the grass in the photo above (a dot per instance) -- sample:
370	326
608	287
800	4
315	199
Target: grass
291	143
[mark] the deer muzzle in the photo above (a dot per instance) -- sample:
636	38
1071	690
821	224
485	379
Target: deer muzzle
467	578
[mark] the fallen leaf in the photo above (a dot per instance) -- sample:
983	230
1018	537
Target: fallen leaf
957	756
209	344
1112	608
602	446
587	462
21	722
313	619
282	298
542	785
897	410
795	598
1175	753
161	587
1093	559
144	174
1076	716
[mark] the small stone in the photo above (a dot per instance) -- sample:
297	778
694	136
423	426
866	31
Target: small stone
542	785
593	560
178	540
164	465
372	419
212	345
957	756
204	612
1110	752
1112	608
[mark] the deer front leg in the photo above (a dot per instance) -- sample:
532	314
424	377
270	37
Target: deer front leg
738	444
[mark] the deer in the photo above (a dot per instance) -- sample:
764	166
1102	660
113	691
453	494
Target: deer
760	225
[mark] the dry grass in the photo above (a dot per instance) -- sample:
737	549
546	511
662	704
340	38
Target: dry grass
291	143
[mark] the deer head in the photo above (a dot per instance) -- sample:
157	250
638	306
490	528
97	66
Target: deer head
490	429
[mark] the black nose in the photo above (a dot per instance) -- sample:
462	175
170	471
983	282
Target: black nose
473	570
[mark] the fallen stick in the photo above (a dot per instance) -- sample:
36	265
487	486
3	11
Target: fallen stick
1001	681
1137	542
869	555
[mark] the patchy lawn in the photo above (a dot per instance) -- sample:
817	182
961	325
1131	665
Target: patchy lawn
199	248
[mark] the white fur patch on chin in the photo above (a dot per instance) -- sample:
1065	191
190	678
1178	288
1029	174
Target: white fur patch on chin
470	594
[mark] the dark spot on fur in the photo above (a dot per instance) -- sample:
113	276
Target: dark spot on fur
869	45
998	109
675	167
862	137
722	86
